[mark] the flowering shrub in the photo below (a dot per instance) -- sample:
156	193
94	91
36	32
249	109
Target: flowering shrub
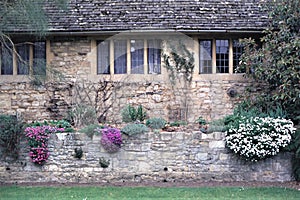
37	138
256	138
111	139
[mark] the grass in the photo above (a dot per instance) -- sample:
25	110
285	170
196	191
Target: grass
90	193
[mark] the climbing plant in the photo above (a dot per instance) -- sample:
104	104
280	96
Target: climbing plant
178	61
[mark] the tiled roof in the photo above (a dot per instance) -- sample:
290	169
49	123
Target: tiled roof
192	15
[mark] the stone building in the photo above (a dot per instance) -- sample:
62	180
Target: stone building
108	54
103	55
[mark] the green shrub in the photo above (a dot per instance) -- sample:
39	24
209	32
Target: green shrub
156	123
10	132
178	123
132	114
55	123
141	114
201	121
244	111
216	126
295	148
91	130
78	153
104	163
134	129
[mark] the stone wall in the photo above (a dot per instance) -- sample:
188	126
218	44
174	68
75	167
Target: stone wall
151	157
53	100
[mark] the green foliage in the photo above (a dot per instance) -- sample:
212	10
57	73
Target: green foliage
134	129
10	132
156	123
141	114
78	153
217	126
178	123
201	121
277	62
179	61
56	123
246	110
91	130
104	163
295	147
132	114
26	15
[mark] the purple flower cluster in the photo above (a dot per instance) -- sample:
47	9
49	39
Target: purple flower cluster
37	138
111	139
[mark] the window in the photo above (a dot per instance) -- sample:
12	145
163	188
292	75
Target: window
219	55
205	57
134	56
39	58
103	57
154	56
6	59
137	56
237	52
222	56
28	55
23	58
120	56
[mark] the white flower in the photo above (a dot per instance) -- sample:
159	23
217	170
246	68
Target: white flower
256	138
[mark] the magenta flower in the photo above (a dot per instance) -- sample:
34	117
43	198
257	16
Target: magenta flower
37	138
111	139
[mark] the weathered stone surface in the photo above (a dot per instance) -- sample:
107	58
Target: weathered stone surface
140	159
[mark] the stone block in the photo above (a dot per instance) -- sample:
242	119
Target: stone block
165	136
5	101
144	167
201	156
203	89
219	135
205	136
223	156
217	144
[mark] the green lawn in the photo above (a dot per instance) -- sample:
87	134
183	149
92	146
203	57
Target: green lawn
140	193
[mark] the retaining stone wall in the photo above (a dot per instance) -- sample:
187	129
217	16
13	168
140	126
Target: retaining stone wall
151	157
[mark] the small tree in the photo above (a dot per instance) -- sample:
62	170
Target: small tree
277	62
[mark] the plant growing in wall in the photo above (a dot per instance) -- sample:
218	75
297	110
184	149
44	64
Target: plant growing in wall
78	153
91	130
132	114
55	123
10	131
37	138
202	124
111	139
134	129
91	101
104	163
179	61
156	123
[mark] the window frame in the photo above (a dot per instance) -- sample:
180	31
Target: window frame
143	55
17	59
214	55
